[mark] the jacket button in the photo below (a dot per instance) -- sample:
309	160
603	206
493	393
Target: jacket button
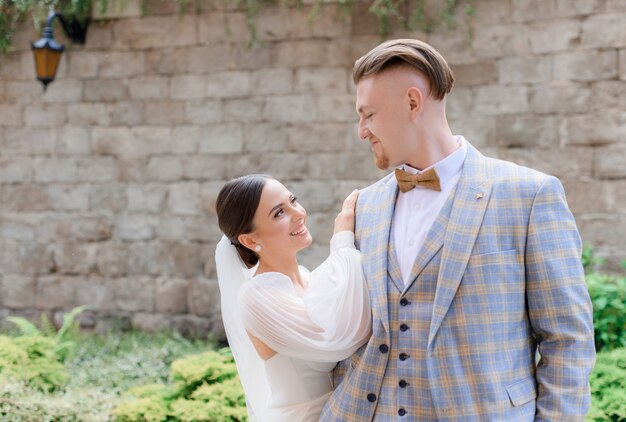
404	301
404	327
403	383
371	397
401	412
383	348
403	356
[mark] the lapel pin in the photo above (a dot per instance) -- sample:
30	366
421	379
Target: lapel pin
479	195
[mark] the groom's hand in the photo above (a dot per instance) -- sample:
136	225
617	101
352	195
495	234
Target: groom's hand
345	219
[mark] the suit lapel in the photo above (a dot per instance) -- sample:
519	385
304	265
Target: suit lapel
377	213
468	209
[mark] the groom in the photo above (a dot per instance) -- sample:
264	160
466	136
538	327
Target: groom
473	266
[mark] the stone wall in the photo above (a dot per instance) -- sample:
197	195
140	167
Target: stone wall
108	180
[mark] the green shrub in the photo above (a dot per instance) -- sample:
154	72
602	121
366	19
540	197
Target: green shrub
608	296
204	387
608	387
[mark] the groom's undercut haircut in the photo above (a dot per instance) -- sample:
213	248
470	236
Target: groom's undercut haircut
411	53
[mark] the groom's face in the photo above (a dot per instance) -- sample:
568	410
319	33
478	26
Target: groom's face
383	118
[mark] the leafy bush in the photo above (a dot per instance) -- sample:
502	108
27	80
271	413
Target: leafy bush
204	388
608	296
608	387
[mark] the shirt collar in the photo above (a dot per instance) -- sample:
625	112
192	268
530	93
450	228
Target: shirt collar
449	166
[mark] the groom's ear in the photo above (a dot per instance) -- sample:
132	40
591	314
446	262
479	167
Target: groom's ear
416	100
247	240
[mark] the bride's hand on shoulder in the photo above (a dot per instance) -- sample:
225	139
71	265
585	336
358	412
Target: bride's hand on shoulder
345	219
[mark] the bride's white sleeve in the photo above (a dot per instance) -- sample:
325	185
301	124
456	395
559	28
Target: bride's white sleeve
328	324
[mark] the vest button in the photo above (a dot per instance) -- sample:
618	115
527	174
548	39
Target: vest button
404	301
401	412
403	356
404	327
371	397
403	383
383	348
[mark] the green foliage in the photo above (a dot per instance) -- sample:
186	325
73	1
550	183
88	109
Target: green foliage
608	296
590	261
608	387
204	387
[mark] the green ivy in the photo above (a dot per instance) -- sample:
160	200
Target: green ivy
608	387
608	296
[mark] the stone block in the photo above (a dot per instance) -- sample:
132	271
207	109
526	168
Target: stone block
248	110
221	139
272	81
315	196
334	80
64	91
150	322
127	113
25	198
18	291
74	140
19	93
166	61
533	10
27	141
602	230
166	168
121	64
486	12
185	228
575	65
555	161
145	197
117	9
320	137
184	198
154	32
554	36
100	36
235	84
74	258
49	170
310	53
458	103
210	59
480	130
601	128
473	74
608	95
185	139
495	99
222	27
191	325
578	7
112	259
97	293
97	169
604	31
84	64
16	170
528	131
203	112
106	90
135	142
135	293
25	257
107	197
205	167
324	24
10	115
186	259
20	227
524	70
55	292
208	194
504	40
291	109
622	64
587	196
88	114
252	58
165	113
560	97
336	108
338	166
135	227
149	258
44	115
188	87
91	228
133	169
171	295
148	88
264	137
609	162
68	197
203	297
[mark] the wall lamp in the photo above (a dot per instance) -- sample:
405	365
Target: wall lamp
47	51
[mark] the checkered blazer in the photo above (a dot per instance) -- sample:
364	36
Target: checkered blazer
510	283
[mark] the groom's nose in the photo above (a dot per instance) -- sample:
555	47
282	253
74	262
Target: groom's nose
364	132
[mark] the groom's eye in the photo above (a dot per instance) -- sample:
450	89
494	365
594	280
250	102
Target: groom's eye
294	199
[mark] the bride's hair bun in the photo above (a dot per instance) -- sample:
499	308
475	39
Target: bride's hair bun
236	205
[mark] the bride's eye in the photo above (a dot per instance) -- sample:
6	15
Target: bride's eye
278	213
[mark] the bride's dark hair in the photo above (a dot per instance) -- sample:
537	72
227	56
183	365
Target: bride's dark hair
236	205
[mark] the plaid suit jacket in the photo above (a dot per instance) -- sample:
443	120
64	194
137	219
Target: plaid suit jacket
510	283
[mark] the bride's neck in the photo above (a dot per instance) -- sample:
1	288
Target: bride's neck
288	267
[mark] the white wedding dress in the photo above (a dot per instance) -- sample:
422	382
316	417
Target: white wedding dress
310	333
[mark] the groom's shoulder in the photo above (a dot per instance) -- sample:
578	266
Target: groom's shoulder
510	173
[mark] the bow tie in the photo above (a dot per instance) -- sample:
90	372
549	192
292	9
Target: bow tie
428	179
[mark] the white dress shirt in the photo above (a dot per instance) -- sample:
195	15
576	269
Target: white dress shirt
417	209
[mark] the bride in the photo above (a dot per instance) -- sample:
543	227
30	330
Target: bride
287	327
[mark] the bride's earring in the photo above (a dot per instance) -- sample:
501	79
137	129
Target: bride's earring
257	248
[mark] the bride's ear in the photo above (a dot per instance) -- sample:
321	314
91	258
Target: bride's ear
248	240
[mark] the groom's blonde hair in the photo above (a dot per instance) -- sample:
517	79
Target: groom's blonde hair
415	54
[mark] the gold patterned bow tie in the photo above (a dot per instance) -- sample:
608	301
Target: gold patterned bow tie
428	179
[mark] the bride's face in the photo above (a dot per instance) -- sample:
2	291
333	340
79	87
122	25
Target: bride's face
280	221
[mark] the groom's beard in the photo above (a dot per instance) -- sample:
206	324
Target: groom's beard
381	159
